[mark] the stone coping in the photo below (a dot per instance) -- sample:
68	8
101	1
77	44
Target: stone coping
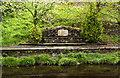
58	48
49	28
54	44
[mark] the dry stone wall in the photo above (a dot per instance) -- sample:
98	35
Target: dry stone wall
62	34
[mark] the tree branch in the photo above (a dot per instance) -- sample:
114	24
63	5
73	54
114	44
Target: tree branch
29	10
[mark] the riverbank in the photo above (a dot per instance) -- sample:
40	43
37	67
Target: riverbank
63	59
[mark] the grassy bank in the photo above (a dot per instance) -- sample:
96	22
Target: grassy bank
68	59
17	23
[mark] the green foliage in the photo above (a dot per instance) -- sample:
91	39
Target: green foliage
43	59
51	61
67	61
26	61
18	19
92	26
71	55
15	30
110	60
94	55
10	61
1	59
110	11
39	10
58	57
111	38
84	60
7	9
96	61
95	58
67	15
80	55
35	35
117	54
77	55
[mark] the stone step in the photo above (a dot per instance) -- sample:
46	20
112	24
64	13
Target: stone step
54	44
58	48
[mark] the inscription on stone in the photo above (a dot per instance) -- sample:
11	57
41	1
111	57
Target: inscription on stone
62	32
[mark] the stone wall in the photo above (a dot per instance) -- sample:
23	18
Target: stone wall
62	34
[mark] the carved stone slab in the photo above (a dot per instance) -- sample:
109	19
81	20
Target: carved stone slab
62	32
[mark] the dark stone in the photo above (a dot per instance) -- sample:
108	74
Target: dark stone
50	35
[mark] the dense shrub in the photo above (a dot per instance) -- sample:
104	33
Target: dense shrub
92	26
67	61
35	35
58	57
80	55
77	55
94	55
71	55
83	60
42	59
51	61
110	60
10	61
26	61
94	58
96	61
1	59
117	54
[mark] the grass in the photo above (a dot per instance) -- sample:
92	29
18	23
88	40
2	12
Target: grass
16	29
111	39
